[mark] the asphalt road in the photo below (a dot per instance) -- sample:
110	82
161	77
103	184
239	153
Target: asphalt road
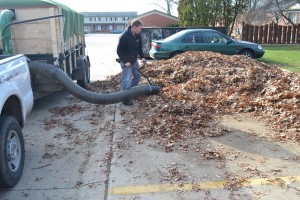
76	150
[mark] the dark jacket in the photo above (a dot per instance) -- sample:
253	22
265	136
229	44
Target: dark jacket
129	47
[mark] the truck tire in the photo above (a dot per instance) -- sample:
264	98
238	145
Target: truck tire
12	152
86	80
84	63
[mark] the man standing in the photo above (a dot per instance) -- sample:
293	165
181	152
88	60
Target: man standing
128	50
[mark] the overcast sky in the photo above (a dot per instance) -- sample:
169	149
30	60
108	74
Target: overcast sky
140	6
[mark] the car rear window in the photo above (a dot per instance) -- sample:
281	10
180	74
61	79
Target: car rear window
173	37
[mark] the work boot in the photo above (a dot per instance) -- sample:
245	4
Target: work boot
128	102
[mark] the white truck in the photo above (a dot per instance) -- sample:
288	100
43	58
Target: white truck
45	33
16	102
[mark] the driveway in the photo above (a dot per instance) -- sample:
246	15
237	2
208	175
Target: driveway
77	150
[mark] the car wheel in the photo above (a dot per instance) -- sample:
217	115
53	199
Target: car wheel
247	53
12	151
175	53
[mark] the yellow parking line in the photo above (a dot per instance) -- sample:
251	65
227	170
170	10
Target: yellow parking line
141	189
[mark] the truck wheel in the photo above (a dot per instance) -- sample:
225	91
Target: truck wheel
85	65
12	151
86	80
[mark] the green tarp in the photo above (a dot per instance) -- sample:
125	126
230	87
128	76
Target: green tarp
5	18
74	21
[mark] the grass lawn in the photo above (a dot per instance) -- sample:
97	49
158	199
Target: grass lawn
282	55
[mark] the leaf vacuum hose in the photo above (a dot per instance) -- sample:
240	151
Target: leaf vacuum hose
85	95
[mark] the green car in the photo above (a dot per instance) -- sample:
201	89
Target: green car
202	40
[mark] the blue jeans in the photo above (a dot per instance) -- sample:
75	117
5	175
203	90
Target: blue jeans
127	72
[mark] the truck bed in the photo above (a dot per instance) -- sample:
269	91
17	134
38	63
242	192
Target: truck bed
45	31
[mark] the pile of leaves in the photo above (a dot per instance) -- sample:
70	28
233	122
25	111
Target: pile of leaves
197	87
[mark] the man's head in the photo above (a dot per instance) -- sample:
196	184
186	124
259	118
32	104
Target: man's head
136	26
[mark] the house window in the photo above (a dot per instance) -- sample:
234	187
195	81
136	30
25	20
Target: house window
99	19
90	19
293	17
98	28
110	27
120	27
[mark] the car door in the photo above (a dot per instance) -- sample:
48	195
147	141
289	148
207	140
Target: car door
217	42
193	42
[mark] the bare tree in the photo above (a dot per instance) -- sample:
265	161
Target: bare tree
264	10
281	8
167	5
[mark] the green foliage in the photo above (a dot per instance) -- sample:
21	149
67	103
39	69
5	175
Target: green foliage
185	12
212	13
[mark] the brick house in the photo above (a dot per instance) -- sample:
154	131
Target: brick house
293	14
258	18
156	18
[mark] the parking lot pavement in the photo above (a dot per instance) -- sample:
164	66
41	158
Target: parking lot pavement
76	150
237	166
65	151
102	50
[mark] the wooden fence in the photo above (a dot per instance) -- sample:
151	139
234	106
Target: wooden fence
271	34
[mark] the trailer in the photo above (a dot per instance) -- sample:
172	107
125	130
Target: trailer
49	32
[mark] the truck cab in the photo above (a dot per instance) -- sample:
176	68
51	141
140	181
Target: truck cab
16	102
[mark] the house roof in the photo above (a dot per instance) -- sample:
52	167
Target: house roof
295	7
156	12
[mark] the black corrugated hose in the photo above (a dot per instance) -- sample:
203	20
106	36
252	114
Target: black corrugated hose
86	95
